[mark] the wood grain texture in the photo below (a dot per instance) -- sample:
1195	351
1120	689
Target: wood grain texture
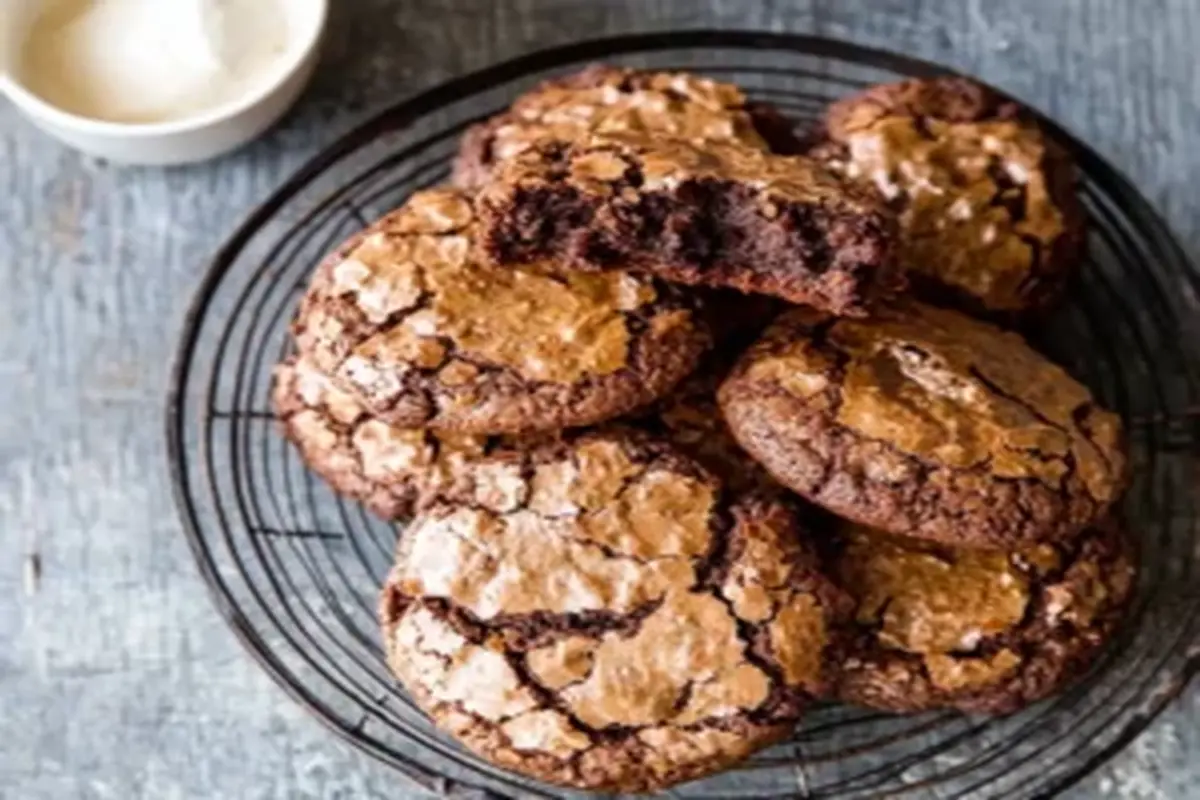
117	677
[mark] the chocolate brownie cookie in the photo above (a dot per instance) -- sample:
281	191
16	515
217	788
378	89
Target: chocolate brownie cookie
385	467
989	218
924	422
416	323
977	630
604	99
717	215
616	621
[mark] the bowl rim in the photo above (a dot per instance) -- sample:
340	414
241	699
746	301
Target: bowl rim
35	106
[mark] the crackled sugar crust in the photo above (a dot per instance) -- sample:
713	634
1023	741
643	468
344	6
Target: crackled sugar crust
988	213
712	215
410	319
979	630
390	468
604	99
385	467
926	423
612	620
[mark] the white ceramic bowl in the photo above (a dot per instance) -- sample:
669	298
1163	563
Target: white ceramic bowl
196	138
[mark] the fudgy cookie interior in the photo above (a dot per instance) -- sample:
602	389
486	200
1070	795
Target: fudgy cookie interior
717	215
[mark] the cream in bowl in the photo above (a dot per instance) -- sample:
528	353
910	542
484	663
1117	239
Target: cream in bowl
158	81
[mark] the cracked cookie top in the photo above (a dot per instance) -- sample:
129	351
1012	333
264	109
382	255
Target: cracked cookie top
411	319
917	407
604	99
385	467
986	204
614	621
973	629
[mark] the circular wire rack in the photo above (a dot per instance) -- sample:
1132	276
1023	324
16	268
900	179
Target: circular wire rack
295	569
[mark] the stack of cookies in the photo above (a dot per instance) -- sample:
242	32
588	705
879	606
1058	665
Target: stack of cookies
693	422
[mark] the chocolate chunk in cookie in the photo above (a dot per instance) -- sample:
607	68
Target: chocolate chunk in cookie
718	215
424	331
924	422
604	99
989	217
977	630
616	621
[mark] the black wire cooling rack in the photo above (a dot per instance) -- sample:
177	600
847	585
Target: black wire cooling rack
295	569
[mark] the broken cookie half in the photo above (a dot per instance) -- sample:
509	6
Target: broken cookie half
721	215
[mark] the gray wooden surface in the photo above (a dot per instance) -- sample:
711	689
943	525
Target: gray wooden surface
117	677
